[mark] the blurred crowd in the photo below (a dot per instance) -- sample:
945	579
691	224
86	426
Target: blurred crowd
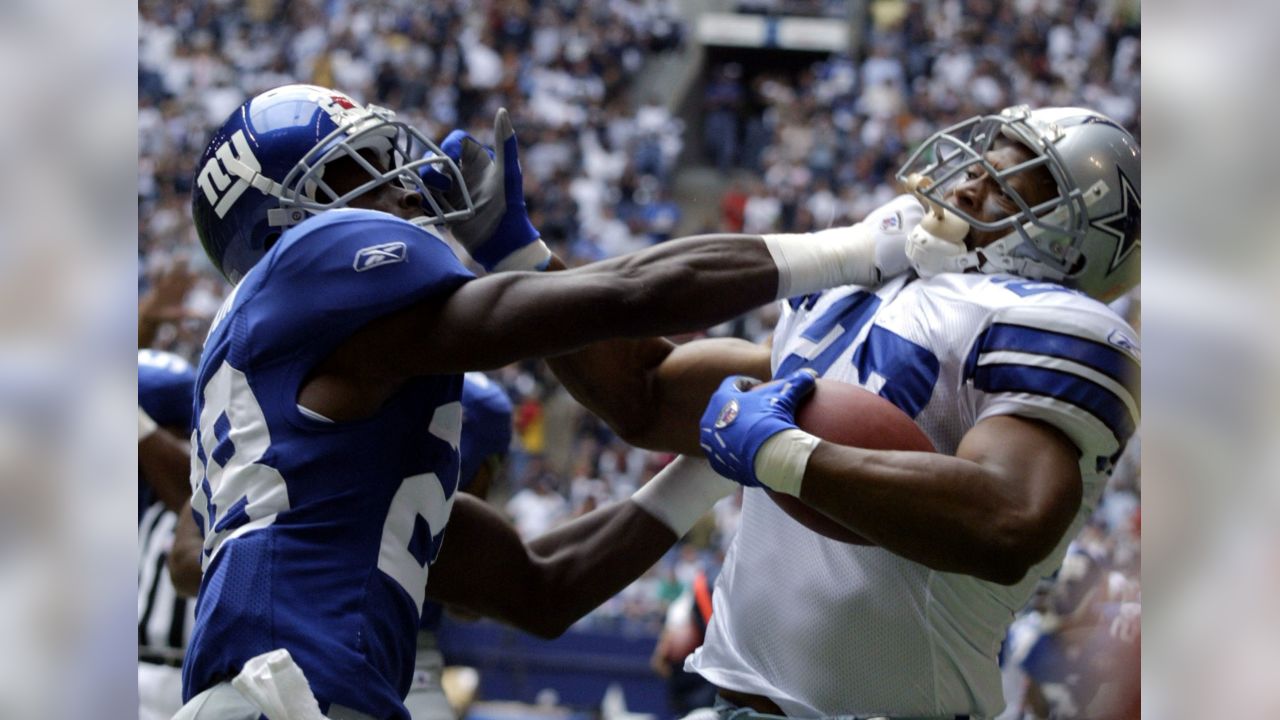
596	164
820	147
803	150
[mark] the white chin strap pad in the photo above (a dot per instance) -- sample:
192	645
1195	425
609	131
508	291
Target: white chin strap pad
936	245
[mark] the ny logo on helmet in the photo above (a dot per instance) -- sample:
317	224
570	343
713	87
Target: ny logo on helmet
234	157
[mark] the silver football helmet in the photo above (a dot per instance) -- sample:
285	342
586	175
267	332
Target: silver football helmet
1087	237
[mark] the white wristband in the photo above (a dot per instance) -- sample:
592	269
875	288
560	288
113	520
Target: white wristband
146	426
533	256
781	460
829	258
682	493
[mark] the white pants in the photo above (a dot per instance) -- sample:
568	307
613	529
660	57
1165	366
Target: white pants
224	702
159	691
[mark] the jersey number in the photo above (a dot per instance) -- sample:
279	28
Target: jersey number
414	529
234	492
888	364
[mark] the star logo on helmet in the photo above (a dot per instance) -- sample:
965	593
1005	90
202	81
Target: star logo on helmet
1125	224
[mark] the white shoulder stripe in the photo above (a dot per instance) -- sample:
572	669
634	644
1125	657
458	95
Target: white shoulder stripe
1082	428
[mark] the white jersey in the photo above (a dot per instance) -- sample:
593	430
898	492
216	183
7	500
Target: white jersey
826	628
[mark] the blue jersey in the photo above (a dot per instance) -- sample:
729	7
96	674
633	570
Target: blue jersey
166	383
486	431
318	534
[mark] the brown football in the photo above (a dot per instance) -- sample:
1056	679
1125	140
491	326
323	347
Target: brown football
848	415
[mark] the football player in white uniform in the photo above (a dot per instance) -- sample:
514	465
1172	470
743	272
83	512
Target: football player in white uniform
1000	348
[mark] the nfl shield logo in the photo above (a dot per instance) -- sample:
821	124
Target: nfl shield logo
727	415
1122	341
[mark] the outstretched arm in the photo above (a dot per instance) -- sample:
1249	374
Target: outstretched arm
676	287
671	288
546	585
542	593
652	393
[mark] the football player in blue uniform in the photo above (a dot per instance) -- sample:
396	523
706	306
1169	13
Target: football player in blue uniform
485	441
166	384
327	405
999	346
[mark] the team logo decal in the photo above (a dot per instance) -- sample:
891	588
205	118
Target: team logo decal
1125	224
379	255
227	174
891	222
1123	341
340	108
727	415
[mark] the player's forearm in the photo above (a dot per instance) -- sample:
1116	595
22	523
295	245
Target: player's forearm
547	584
184	556
944	512
165	464
673	288
683	285
651	392
584	563
614	379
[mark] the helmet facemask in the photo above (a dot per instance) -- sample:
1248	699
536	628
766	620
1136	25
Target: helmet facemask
1041	241
401	149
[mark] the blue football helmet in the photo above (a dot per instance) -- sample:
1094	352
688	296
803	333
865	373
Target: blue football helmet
263	171
1087	237
166	388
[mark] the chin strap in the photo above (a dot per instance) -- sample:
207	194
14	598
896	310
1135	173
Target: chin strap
936	245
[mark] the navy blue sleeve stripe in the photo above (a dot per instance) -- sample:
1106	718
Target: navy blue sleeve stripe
1101	357
1067	387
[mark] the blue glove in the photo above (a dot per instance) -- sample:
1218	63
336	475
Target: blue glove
743	414
500	229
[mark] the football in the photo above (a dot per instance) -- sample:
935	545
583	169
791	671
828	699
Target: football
848	415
